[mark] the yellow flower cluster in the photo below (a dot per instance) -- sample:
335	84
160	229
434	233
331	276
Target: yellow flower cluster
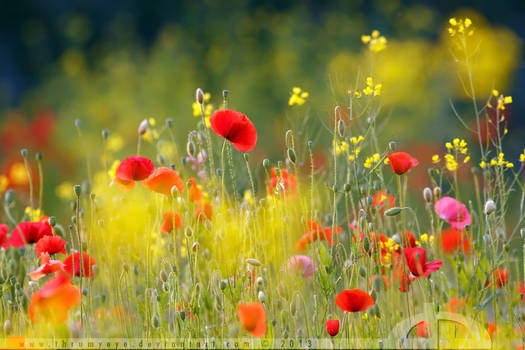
375	41
425	238
208	109
502	100
372	160
457	146
499	161
460	26
298	97
340	147
522	156
35	214
357	149
370	89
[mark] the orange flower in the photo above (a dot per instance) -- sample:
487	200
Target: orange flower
162	180
314	231
455	305
491	329
500	277
253	318
195	192
453	240
53	301
401	162
206	209
170	219
285	184
381	201
354	300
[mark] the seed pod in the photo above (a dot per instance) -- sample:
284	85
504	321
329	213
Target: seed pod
490	207
427	195
77	190
199	96
259	281
143	127
291	155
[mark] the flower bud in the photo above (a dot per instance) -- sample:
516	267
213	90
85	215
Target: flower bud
253	262
77	190
259	281
105	134
155	321
8	327
52	221
246	156
392	145
266	163
309	144
174	191
199	96
261	297
223	284
143	127
225	93
190	149
24	152
9	196
195	246
163	276
362	271
188	232
341	128
522	233
169	123
393	211
291	155
490	207
39	156
427	195
78	123
437	192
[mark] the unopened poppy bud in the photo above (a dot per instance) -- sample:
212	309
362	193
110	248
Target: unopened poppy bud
259	281
92	196
182	315
334	188
39	156
522	233
288	138
378	283
266	163
261	297
105	134
9	196
74	219
219	172
174	191
392	145
163	276
8	327
84	291
190	149
347	187
188	232
309	144
374	295
195	246
393	211
427	194
370	200
52	221
169	123
223	284
225	93
362	271
291	155
341	128
437	192
199	96
371	226
78	123
77	190
143	127
253	262
101	222
246	156
490	207
24	152
397	239
155	321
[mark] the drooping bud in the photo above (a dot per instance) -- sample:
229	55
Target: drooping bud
199	96
195	246
39	156
143	127
393	211
9	196
225	93
266	163
190	149
52	221
169	123
392	145
163	276
341	128
188	232
291	155
427	195
490	207
253	262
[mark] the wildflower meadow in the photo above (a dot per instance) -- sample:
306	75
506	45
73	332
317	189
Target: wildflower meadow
182	236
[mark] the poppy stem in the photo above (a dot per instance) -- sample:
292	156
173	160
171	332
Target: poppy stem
222	166
30	178
232	174
250	176
41	182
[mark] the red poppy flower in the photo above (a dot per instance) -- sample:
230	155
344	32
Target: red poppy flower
170	219
253	318
204	210
401	162
47	266
453	240
131	169
408	240
520	288
455	305
162	180
314	231
332	327
234	127
53	301
50	245
354	300
195	192
381	201
416	260
87	267
3	236
285	184
491	329
500	277
404	285
423	329
29	232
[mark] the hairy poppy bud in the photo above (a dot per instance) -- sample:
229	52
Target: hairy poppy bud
39	156
490	207
195	247
259	281
291	155
309	143
427	195
223	284
188	232
397	239
105	134
24	152
190	149
392	145
261	297
9	196
78	123
169	123
199	96
246	156
378	283
77	190
341	128
155	321
347	187
52	221
266	163
225	93
362	271
437	192
253	262
174	191
393	211
522	233
143	127
8	327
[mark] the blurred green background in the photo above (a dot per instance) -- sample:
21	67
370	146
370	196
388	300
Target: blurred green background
112	64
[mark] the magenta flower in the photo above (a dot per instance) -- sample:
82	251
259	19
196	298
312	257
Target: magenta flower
301	263
453	212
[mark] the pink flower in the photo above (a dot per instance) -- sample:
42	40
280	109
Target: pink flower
453	212
301	263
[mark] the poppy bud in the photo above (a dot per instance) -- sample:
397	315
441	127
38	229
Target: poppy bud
223	284
219	172
266	163
52	221
347	187
74	219
341	128
39	156
371	226
261	297
77	190
9	196
291	155
309	143
334	188
188	232
78	123
143	127
155	321
8	327
246	156
199	96
522	233
174	191
24	152
259	281
397	239
253	262
370	200
362	271
332	327
190	149
378	283
225	93
490	207
392	145
437	192
427	195
195	246
169	123
366	244
163	276
374	295
393	211
84	291
105	134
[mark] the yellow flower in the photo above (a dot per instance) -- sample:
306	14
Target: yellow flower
372	89
460	26
298	97
376	42
4	182
372	160
248	198
435	159
450	162
482	164
355	140
522	156
467	159
35	214
424	238
365	316
340	147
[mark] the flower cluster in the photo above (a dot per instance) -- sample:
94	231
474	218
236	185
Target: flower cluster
375	41
461	26
455	148
208	108
370	89
298	97
501	100
499	161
